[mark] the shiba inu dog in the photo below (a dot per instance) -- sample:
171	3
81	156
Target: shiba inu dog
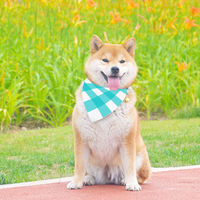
110	150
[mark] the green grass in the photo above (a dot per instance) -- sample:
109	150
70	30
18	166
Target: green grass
46	43
48	153
172	143
36	155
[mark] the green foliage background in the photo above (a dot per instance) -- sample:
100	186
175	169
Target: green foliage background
44	45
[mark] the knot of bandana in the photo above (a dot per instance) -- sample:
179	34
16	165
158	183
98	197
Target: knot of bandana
101	101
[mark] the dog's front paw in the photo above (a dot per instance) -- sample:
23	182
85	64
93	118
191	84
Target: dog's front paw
133	187
74	185
89	180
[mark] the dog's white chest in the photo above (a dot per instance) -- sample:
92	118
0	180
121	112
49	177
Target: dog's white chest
104	136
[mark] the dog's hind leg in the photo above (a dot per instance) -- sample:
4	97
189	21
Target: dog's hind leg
89	180
143	166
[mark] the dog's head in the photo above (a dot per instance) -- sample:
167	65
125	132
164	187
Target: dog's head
111	65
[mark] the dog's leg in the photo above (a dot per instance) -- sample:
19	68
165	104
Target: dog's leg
128	156
89	180
81	157
143	166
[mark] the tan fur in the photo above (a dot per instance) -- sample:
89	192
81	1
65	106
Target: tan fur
110	150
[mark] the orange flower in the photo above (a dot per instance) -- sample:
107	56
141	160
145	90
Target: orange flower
149	9
180	4
76	20
116	18
8	3
132	4
76	17
91	4
171	25
190	23
181	66
43	1
195	11
41	45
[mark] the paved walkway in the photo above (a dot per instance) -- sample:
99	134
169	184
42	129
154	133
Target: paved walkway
173	184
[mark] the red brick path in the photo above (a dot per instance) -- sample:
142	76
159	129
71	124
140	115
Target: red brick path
172	185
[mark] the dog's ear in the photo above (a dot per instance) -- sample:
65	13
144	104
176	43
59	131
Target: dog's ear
95	44
130	46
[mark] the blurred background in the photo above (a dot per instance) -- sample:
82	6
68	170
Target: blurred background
45	43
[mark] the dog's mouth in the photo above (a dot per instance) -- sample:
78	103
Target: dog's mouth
113	81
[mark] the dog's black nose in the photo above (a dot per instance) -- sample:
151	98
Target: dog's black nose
115	70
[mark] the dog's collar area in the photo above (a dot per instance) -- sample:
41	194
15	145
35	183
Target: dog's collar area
101	101
126	99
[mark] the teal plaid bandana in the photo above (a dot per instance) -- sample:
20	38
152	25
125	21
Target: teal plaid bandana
101	101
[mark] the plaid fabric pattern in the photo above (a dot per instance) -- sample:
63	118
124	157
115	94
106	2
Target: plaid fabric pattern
101	101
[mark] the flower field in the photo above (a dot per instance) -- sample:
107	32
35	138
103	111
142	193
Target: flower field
45	43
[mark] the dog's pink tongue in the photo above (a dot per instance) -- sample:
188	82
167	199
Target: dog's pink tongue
113	83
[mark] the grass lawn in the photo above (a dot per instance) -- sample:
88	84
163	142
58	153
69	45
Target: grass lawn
48	153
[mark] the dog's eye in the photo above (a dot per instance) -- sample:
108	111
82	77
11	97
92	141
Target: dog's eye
122	61
105	60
